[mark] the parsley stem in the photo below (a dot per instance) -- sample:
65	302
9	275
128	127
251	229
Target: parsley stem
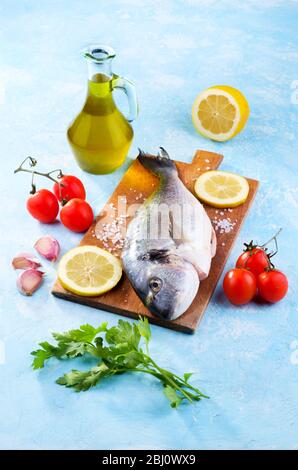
189	396
167	376
180	381
185	383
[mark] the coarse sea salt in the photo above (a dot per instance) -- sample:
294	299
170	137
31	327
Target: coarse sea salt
223	225
111	234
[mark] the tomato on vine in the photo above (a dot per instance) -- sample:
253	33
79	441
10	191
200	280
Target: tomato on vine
77	215
272	285
43	206
69	187
254	259
255	272
240	286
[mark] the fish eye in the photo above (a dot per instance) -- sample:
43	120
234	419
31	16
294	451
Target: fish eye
155	284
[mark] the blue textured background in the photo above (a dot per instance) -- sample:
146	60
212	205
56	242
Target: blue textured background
245	358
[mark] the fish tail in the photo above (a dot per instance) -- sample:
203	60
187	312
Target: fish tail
160	164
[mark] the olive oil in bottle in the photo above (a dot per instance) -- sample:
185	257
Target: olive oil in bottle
100	136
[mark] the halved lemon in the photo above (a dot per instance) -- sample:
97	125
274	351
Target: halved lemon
220	112
221	188
89	270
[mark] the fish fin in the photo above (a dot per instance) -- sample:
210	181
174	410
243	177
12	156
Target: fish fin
164	153
160	164
213	243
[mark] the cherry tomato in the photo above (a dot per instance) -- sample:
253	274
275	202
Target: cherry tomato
240	286
255	260
43	206
77	215
272	285
70	188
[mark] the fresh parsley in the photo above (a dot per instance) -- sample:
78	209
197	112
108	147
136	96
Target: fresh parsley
118	350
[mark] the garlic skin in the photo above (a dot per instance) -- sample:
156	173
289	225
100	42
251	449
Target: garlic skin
28	281
48	247
25	261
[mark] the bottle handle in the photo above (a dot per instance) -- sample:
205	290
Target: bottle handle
130	90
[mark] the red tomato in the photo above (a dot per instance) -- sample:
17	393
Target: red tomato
77	215
273	285
72	188
43	206
240	286
255	260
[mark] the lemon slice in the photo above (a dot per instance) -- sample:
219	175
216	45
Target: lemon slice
221	188
89	270
220	112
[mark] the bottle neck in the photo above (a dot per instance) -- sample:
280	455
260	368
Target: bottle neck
99	71
99	97
100	79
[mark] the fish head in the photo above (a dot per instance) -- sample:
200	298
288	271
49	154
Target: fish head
167	287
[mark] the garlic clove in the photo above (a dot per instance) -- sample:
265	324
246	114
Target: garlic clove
25	261
28	281
48	247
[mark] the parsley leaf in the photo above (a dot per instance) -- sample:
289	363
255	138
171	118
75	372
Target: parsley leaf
172	396
124	333
41	355
83	380
144	329
187	376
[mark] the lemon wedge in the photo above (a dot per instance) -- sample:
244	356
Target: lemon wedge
89	270
221	188
220	112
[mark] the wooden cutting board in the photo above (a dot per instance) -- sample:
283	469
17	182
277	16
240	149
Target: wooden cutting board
108	230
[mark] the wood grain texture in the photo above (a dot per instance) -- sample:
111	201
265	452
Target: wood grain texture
136	185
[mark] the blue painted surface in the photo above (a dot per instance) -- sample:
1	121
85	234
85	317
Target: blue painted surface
245	358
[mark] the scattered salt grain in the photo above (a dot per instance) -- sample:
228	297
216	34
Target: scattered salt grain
223	225
111	234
